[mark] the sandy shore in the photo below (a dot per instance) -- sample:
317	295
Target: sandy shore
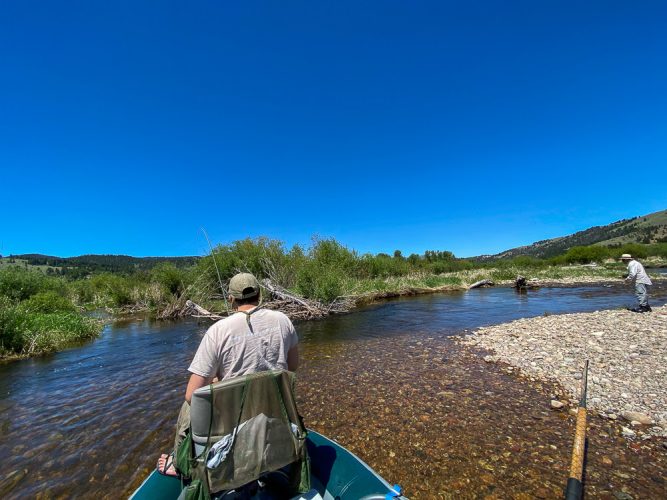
628	361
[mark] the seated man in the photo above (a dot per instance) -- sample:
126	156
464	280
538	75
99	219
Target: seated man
249	341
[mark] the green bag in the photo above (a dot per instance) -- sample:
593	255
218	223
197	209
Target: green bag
183	457
196	490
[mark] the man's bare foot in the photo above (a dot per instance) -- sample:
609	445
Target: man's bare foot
165	465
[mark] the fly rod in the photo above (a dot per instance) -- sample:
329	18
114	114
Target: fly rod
222	288
575	488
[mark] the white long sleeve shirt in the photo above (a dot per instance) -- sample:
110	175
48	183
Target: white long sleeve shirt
637	273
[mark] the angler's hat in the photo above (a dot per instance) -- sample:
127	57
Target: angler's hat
243	286
626	256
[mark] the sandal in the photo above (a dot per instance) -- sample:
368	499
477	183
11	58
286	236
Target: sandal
168	464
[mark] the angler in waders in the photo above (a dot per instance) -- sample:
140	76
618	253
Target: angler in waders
637	274
249	341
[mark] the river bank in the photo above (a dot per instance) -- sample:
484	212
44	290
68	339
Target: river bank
628	361
52	338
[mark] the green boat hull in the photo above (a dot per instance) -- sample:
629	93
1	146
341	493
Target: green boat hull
336	473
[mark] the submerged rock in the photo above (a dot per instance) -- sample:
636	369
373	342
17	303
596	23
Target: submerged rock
628	432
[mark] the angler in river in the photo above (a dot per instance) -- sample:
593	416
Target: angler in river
637	274
249	341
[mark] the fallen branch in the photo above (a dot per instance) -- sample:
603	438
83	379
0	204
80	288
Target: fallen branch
191	308
481	283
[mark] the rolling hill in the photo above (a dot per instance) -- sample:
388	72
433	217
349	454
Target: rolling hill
651	228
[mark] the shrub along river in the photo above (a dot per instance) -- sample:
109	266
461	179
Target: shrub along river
386	381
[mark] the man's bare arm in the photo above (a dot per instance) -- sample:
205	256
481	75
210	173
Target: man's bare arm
293	359
195	382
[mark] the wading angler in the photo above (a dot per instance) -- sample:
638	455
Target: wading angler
637	274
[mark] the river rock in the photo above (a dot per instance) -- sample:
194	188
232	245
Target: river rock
622	495
555	404
628	432
635	416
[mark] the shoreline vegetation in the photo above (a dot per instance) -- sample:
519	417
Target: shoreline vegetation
44	311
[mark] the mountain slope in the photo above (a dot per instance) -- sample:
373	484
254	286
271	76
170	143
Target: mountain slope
651	228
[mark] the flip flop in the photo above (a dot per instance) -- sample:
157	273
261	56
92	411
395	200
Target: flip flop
168	462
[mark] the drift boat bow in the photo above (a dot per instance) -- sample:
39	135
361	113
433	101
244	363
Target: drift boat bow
335	472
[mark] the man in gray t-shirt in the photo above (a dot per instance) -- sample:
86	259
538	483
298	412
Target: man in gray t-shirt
637	274
251	340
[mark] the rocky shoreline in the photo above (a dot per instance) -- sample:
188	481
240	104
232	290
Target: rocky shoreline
627	378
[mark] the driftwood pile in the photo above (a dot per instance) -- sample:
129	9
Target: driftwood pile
275	297
300	308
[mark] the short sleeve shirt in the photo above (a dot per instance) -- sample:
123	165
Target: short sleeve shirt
232	347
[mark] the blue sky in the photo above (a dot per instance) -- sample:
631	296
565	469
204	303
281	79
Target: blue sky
471	127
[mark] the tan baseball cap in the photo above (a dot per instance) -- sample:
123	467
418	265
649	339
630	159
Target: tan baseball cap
243	286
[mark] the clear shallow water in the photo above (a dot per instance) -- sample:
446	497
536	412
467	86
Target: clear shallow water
456	311
91	421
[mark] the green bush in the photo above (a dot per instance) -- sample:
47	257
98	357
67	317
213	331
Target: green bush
382	266
169	277
324	274
48	302
528	262
503	274
658	250
263	257
11	320
586	254
20	284
637	250
112	290
83	292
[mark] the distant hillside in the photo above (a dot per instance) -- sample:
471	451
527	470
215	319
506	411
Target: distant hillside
650	228
85	264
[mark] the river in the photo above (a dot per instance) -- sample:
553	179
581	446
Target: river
386	381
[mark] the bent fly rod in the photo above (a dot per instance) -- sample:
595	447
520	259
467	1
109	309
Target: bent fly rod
215	263
575	487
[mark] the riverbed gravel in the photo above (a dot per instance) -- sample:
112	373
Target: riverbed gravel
627	378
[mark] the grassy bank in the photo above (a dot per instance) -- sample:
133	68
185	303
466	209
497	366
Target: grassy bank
37	316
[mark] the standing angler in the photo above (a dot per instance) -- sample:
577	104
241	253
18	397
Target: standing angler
637	274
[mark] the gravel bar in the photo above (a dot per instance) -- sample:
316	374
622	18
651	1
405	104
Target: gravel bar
627	377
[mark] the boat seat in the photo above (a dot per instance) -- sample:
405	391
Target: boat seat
254	420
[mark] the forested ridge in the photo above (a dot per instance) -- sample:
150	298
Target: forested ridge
83	265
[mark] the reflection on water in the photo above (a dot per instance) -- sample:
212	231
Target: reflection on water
90	422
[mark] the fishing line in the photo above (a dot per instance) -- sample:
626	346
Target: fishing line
222	288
